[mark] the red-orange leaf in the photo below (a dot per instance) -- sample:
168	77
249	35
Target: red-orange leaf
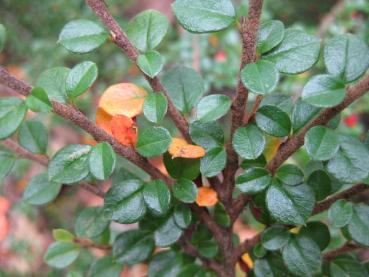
179	148
124	130
206	197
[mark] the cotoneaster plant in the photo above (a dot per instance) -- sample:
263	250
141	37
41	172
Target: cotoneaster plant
199	179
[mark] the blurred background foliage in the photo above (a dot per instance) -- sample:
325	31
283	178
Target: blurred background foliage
33	28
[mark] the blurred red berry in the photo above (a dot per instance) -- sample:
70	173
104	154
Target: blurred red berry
352	120
221	56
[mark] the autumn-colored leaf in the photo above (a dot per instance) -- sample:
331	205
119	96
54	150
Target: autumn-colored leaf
272	147
124	130
181	149
4	205
247	259
123	99
103	120
159	164
4	227
206	197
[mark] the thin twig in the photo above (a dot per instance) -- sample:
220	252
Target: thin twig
86	243
347	247
330	17
255	108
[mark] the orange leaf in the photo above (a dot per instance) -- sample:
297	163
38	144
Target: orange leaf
247	259
4	205
206	197
124	130
179	148
4	227
123	99
103	120
159	164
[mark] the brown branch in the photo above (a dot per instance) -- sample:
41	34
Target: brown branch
330	17
120	38
254	110
78	118
238	206
347	247
86	243
295	142
246	246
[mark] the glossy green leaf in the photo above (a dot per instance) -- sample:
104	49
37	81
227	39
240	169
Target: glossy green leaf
318	232
249	142
321	184
155	107
359	224
302	114
346	265
53	81
151	63
213	162
82	36
7	160
61	254
346	56
207	134
38	101
185	191
213	107
33	136
133	247
275	237
221	215
166	264
324	91
157	197
182	215
91	222
208	249
185	87
260	77
253	180
181	167
2	37
273	121
271	266
124	202
12	113
290	204
258	162
302	256
168	233
290	174
297	52
147	29
340	213
105	266
204	16
80	78
281	101
153	141
350	162
271	33
40	190
70	164
63	235
102	161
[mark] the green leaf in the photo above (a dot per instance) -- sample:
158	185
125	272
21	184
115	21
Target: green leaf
340	213
346	265
290	174
12	112
324	91
207	134
38	101
271	33
273	121
181	167
53	81
33	136
350	162
61	254
63	235
208	249
91	222
133	247
290	204
213	107
281	101
346	56
302	256
213	162
185	87
275	237
168	233
80	78
2	37
258	162
253	180
318	232
7	160
204	16
249	142
297	52
167	263
359	224
221	215
105	266
40	190
157	197
82	36
124	202
182	215
321	184
147	29
271	266
261	77
102	161
185	191
153	141
321	143
151	63
155	107
302	114
70	164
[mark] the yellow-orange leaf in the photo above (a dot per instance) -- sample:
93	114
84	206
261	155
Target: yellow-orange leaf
179	148
124	130
103	120
206	197
123	99
247	259
271	148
